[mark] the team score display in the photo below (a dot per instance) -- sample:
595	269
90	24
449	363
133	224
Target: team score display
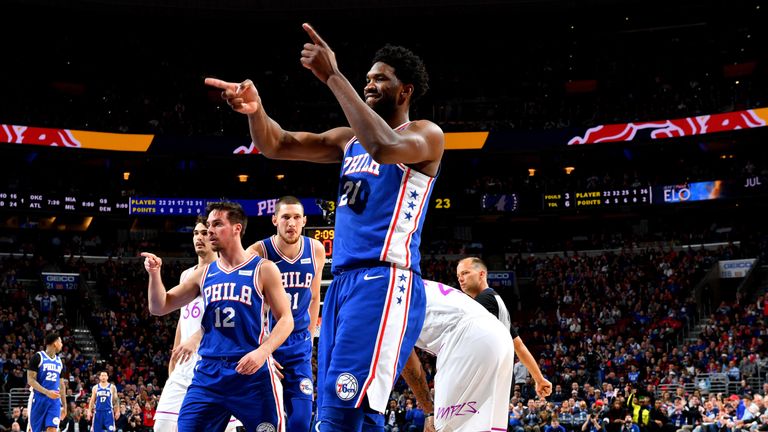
557	200
324	235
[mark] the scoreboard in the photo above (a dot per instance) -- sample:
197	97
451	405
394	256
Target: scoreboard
59	203
324	235
600	198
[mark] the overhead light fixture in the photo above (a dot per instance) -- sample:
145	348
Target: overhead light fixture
569	169
126	175
280	176
242	177
531	172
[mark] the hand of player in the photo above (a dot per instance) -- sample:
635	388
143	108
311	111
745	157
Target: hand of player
251	362
278	368
152	263
429	424
184	351
543	388
63	411
318	56
53	394
242	97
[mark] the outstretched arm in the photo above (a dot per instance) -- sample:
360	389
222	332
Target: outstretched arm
543	386
420	145
270	138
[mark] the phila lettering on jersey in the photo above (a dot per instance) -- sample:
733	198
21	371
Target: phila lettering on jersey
382	210
297	275
235	316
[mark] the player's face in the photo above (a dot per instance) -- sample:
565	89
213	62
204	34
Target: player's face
382	90
58	345
220	231
200	239
289	220
470	278
103	377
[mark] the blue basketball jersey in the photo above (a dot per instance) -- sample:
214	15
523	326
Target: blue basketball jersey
380	211
235	320
297	274
103	398
49	371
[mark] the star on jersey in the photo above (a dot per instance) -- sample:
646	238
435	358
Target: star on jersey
408	215
403	278
411	205
414	194
399	300
401	288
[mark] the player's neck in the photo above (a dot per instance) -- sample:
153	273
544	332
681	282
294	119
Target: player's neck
287	249
234	257
206	259
51	352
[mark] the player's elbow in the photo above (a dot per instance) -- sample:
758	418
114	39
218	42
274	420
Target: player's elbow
157	310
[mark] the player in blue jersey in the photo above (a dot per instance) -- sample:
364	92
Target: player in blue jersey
300	260
104	405
374	309
236	374
48	403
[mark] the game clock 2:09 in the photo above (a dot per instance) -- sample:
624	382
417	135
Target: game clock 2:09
324	235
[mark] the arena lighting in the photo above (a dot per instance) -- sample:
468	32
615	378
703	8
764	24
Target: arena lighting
242	177
531	172
126	175
569	169
280	176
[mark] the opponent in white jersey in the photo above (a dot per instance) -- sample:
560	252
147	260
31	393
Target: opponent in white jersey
181	368
475	357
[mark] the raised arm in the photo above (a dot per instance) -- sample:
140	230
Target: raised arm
270	138
420	145
314	304
162	302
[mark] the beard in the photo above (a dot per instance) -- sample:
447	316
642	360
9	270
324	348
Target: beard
290	241
385	106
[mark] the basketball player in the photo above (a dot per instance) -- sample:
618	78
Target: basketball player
473	279
235	374
374	308
474	364
48	403
300	261
104	406
185	345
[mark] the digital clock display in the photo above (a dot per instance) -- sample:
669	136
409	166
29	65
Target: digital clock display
324	235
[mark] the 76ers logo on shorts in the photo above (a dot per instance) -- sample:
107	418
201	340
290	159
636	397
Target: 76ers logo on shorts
306	386
265	427
346	386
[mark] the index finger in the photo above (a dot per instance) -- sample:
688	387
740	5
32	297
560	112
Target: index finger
220	84
148	255
314	36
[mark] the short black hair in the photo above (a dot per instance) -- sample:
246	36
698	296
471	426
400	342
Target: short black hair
50	338
288	200
409	68
235	213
